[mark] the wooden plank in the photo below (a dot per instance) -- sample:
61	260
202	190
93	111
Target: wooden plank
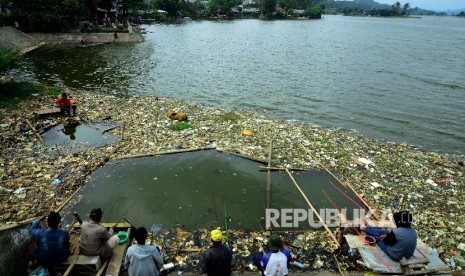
70	267
102	269
406	262
117	257
118	226
48	111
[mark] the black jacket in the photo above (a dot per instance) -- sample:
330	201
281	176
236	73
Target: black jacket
217	261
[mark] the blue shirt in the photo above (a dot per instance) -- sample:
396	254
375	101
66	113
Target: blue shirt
53	244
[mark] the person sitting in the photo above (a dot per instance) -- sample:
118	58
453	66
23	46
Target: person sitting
277	260
217	259
66	105
52	243
142	259
399	242
95	239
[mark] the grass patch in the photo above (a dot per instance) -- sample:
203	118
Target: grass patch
12	92
180	125
230	116
53	91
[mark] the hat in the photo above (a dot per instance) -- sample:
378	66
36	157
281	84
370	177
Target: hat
216	235
275	242
403	219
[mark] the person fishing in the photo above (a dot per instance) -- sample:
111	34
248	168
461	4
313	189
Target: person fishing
52	243
143	259
216	261
399	242
95	239
66	105
276	261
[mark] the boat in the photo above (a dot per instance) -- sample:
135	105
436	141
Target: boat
77	264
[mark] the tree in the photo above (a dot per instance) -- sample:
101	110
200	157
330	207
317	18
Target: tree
221	5
268	7
405	9
396	8
170	6
47	15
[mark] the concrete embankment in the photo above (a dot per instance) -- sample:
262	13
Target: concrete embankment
12	38
90	38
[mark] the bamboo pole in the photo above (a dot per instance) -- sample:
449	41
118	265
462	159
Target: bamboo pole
263	168
268	177
5	227
340	181
162	153
68	200
313	209
35	132
259	160
338	265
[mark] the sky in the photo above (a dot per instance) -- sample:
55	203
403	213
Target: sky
435	5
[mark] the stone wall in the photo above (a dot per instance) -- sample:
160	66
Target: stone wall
16	245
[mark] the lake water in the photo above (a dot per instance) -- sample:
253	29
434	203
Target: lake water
200	189
390	78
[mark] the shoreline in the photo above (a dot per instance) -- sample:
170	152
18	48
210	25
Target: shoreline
428	183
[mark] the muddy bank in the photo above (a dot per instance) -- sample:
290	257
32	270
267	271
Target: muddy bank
387	175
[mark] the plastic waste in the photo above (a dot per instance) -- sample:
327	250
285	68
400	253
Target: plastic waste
299	265
452	263
168	266
351	252
155	228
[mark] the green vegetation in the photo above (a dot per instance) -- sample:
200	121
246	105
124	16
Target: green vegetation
11	92
397	9
7	58
89	15
180	125
371	8
230	116
462	14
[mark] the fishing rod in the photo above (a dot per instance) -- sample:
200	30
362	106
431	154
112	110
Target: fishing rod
226	223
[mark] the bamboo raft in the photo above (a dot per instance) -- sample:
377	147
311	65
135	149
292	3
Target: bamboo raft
92	265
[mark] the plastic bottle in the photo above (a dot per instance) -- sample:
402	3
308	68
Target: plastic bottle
299	265
452	263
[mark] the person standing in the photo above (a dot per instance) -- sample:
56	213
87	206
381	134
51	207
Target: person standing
52	243
143	259
95	239
217	259
275	262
